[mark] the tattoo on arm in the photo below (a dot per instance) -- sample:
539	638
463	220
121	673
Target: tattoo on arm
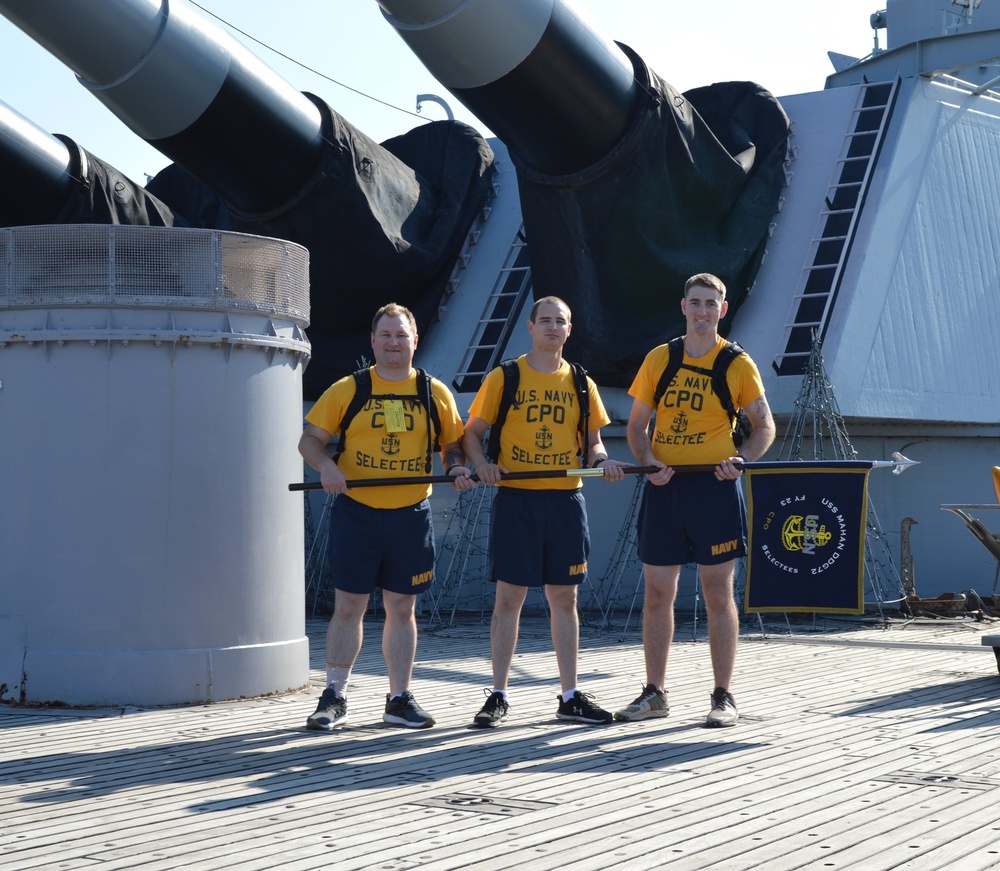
763	430
761	408
454	457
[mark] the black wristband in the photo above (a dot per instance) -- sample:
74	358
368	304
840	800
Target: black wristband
598	462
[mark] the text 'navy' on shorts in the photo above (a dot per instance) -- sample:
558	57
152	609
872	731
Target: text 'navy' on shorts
693	518
539	537
391	548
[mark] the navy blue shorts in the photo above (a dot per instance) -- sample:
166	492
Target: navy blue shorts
539	537
693	518
391	548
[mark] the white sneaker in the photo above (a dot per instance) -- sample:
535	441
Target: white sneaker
723	711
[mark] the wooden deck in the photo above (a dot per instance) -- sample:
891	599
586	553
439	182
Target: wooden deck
863	749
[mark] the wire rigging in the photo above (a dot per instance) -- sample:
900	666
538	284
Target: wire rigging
303	66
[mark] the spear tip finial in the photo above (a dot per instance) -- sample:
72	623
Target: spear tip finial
902	463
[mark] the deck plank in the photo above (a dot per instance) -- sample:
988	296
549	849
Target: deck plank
859	749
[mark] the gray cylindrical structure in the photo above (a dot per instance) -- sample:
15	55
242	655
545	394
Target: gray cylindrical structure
150	405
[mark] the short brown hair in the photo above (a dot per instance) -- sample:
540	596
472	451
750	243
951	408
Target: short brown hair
705	279
552	300
394	310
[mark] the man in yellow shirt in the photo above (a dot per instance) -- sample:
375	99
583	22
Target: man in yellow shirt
381	536
695	516
538	528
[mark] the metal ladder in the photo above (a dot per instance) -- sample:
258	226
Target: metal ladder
500	315
836	225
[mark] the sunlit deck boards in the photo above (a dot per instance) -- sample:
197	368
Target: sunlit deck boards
865	750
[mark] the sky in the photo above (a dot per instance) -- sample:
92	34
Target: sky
345	52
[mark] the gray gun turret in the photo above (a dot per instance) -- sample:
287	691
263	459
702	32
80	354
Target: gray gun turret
381	222
627	186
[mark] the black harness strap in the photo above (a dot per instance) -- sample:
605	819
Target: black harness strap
720	386
363	392
508	399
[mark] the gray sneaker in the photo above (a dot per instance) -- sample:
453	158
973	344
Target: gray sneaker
404	711
650	703
331	711
723	711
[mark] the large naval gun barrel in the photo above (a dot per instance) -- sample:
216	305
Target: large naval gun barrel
180	83
50	179
252	154
35	193
559	94
627	186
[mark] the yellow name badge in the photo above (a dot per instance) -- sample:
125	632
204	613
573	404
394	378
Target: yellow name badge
395	419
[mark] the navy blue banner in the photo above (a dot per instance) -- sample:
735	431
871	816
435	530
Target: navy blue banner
806	545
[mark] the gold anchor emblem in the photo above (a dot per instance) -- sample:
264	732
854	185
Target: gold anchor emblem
799	534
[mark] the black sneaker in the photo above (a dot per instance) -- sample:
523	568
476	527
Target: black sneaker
404	711
331	711
494	712
723	711
580	709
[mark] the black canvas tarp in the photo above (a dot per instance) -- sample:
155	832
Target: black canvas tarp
100	194
691	188
383	223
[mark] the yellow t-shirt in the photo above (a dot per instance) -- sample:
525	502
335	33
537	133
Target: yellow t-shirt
540	431
692	427
373	451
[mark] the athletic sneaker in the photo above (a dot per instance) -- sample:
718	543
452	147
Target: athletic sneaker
404	711
723	711
580	709
331	711
650	703
494	712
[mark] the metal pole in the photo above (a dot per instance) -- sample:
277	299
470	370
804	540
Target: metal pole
900	463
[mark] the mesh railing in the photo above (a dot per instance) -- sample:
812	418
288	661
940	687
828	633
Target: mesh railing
111	265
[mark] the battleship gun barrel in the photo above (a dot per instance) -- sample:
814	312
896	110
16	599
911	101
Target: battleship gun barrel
559	94
49	179
35	193
627	186
250	153
185	86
